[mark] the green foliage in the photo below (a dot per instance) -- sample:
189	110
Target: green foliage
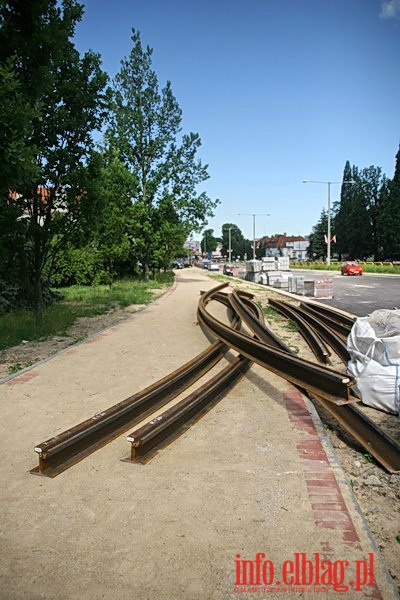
317	249
16	115
388	222
145	127
239	245
18	367
367	218
9	294
75	266
270	312
209	241
77	301
368	458
291	326
62	94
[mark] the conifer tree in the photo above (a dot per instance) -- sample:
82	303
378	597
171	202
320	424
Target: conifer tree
317	250
389	216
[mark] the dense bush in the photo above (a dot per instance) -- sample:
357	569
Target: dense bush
9	296
75	266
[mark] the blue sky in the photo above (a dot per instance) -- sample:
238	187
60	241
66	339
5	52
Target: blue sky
278	90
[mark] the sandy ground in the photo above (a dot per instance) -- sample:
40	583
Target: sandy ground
171	529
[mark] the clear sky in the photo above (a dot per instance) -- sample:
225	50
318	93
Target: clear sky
278	90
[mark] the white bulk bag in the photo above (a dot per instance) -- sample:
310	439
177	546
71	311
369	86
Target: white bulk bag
374	348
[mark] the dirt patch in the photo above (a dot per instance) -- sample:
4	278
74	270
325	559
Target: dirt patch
16	358
377	492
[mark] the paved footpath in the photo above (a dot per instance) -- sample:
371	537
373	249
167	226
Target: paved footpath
254	480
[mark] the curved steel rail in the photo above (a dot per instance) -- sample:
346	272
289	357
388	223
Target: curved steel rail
166	427
317	324
312	338
371	437
328	318
322	381
340	317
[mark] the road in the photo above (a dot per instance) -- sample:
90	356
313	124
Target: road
360	295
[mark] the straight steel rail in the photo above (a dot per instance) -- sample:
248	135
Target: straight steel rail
372	438
146	440
167	426
65	449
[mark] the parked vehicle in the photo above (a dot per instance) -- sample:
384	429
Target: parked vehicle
351	267
213	266
228	270
177	264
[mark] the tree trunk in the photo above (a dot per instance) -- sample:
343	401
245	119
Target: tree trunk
146	272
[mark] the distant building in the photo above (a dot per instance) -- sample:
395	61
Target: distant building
293	246
193	245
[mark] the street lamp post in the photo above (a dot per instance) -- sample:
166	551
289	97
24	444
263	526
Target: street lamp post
229	229
254	215
328	183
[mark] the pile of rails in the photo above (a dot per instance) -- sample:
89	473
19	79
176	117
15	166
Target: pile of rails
322	328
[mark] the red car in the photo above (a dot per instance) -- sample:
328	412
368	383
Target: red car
351	267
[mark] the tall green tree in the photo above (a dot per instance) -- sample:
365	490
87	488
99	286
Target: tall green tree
64	91
112	232
239	245
370	182
145	126
209	242
317	250
341	211
388	225
356	215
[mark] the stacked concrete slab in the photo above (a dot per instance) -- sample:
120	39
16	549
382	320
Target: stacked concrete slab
296	284
283	263
274	271
319	288
272	263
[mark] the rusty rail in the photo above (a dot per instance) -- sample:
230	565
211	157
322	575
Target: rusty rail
328	318
147	439
313	339
370	436
328	311
62	451
320	380
325	386
166	427
317	324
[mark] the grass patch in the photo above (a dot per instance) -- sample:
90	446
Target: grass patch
368	267
291	326
77	301
270	312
